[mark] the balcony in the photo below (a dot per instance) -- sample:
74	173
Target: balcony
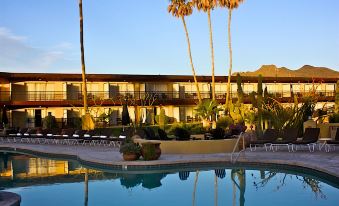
60	98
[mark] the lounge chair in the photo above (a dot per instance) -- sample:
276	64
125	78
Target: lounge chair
289	136
269	136
309	139
333	143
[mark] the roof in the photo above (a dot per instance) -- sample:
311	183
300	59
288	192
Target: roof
18	77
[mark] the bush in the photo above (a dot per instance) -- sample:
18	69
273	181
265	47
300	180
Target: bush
193	128
334	118
224	122
130	148
218	133
49	122
182	134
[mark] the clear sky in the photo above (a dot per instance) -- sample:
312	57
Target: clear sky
140	37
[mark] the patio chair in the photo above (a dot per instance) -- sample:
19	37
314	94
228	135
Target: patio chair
289	136
334	142
309	139
88	137
269	136
15	135
52	135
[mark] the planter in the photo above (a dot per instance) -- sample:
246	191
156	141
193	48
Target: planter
150	151
131	156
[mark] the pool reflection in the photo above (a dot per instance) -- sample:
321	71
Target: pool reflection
20	171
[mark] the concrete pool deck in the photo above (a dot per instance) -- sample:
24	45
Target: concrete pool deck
319	160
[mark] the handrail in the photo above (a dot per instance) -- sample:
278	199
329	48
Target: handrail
241	136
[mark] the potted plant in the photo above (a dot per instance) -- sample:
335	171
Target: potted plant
130	151
150	150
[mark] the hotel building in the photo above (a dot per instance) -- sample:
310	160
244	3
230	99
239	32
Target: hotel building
29	97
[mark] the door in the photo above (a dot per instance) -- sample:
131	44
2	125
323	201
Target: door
37	118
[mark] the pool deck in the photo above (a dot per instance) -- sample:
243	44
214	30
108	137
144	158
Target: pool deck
318	160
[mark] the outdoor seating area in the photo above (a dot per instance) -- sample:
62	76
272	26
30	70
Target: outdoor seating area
102	137
272	140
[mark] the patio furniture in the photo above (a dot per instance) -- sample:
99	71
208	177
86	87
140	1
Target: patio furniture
332	143
289	136
269	136
310	139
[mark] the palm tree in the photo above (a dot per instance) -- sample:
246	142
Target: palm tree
207	6
87	123
230	4
83	68
181	9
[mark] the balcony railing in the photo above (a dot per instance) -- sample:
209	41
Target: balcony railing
116	96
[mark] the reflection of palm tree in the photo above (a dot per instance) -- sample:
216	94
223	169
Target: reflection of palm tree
195	186
241	174
230	4
215	190
180	9
86	187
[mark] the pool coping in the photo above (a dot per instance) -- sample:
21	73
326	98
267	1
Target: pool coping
184	165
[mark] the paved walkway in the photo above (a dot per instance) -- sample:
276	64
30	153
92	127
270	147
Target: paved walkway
318	160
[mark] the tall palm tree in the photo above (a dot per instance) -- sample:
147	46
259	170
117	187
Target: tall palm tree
83	68
207	6
181	9
87	121
230	4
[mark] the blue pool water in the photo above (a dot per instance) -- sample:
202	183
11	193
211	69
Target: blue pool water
49	182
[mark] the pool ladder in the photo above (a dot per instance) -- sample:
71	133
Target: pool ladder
234	159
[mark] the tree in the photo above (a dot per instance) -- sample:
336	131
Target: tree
181	9
87	123
230	4
206	109
207	6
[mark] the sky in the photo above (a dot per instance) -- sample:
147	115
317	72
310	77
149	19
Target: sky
140	37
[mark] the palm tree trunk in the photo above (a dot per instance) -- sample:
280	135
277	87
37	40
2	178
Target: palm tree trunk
86	187
191	60
215	190
212	52
230	68
195	186
84	86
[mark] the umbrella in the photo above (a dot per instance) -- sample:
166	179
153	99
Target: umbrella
125	115
4	119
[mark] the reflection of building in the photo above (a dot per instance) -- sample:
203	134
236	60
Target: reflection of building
29	97
21	170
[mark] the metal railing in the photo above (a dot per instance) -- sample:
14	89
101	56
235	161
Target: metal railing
137	95
241	136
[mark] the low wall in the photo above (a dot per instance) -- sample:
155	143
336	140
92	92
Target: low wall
194	146
327	130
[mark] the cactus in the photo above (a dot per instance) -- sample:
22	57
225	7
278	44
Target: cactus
240	92
162	117
337	98
259	128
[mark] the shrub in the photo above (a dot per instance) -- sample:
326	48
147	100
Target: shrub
181	133
224	121
334	118
193	128
218	133
130	148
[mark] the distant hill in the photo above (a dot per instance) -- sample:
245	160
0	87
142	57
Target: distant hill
304	71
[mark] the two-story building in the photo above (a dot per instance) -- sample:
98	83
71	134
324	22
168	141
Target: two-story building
29	97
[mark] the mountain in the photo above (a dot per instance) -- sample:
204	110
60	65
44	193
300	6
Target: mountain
304	71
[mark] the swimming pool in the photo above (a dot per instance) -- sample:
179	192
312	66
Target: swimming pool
42	181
